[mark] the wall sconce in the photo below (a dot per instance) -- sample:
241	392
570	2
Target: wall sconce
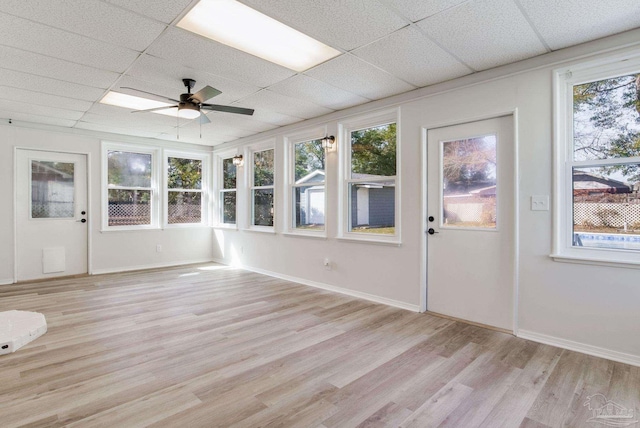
329	142
238	160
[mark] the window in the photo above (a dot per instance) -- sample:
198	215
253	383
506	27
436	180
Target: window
370	177
130	187
262	186
52	189
307	185
227	192
598	155
186	189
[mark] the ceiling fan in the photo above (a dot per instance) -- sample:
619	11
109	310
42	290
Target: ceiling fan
190	105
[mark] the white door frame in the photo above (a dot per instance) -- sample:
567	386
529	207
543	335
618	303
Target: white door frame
516	205
91	215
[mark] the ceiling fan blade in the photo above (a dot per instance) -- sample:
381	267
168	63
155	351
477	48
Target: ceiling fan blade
150	93
154	109
204	119
227	109
204	94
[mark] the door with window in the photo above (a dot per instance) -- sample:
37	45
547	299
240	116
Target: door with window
52	218
470	221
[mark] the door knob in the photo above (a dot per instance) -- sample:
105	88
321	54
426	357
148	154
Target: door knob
431	231
84	220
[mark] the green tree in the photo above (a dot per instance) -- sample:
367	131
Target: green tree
309	158
373	150
607	121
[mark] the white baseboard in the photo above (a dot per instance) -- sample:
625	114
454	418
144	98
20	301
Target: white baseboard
333	288
596	351
6	281
151	266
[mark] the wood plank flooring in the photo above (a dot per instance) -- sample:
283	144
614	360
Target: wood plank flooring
213	346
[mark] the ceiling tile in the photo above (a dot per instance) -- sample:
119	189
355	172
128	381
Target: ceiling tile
268	100
136	122
321	93
31	82
38	98
41	65
25	107
189	50
114	129
34	37
274	118
344	24
484	33
168	74
238	123
415	10
354	75
162	10
90	18
33	118
567	23
411	56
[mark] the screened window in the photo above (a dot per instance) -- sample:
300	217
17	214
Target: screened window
371	180
307	186
52	189
184	190
130	192
262	188
228	192
601	182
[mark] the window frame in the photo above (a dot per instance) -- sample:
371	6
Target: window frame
154	189
220	190
380	118
564	79
250	187
290	186
204	188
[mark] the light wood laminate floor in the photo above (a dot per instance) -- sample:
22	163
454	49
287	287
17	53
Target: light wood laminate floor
214	346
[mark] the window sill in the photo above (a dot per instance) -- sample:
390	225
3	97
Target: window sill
370	241
225	226
130	229
270	230
322	236
186	226
598	261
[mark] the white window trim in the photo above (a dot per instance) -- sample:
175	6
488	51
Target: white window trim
219	189
155	185
205	218
345	128
248	179
563	81
290	142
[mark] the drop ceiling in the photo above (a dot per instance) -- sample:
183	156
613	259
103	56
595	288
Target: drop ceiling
58	58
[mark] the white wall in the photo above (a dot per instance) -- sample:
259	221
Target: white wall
590	308
110	251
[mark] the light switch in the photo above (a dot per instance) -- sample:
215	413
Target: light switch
540	203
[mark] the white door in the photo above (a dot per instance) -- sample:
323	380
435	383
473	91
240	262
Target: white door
470	224
51	222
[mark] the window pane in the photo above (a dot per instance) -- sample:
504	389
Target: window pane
184	207
309	161
184	173
605	121
263	168
309	209
228	207
373	207
263	207
606	207
129	169
228	174
373	152
129	207
469	182
52	191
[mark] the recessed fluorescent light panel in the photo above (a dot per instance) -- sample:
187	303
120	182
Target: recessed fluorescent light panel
137	103
237	25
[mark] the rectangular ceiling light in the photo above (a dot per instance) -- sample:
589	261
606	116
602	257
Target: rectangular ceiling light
137	103
239	26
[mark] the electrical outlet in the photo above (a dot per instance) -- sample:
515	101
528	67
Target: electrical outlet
540	203
158	248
